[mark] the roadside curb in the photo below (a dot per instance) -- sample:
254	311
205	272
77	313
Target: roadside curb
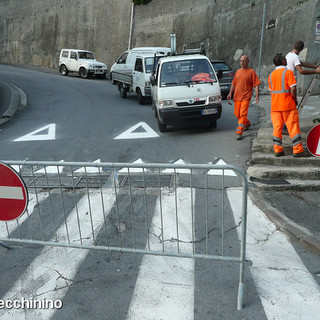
18	102
283	223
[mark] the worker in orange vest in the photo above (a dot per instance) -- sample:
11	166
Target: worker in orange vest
283	90
245	79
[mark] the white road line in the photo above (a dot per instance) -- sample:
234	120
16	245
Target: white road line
165	285
287	290
50	274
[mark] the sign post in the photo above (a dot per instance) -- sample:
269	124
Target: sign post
313	141
13	194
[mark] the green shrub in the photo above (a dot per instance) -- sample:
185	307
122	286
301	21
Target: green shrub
138	2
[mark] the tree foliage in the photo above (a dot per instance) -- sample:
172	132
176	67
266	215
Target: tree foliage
138	2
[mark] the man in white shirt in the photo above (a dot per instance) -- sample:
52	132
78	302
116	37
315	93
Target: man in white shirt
294	64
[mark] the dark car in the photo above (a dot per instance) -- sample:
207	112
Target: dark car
225	75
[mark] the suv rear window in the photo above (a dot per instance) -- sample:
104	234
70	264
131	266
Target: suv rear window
65	54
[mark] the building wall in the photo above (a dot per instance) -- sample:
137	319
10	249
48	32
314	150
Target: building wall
32	32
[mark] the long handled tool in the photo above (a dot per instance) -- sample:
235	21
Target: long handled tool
307	93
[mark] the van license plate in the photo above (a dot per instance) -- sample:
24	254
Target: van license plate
209	111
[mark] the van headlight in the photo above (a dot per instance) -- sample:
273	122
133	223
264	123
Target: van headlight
166	104
213	100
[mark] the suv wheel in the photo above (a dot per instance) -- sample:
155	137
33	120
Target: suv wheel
63	70
83	73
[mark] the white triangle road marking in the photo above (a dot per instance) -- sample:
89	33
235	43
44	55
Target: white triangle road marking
130	134
34	136
131	170
180	161
89	169
219	172
51	169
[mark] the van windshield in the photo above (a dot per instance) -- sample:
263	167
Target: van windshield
149	64
86	55
186	72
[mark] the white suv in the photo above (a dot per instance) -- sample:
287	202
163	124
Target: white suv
81	61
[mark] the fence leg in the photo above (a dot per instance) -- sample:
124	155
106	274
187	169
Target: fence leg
5	245
240	296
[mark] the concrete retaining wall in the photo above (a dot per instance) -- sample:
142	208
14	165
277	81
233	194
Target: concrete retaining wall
32	32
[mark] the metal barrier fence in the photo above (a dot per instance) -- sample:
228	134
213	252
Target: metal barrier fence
176	210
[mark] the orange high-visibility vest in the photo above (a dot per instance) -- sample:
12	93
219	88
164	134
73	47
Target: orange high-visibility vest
280	82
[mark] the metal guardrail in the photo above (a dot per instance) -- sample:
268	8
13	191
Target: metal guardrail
175	210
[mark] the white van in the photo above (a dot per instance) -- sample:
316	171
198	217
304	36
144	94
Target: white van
185	91
127	59
138	80
81	61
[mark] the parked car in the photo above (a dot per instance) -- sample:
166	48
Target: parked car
225	74
81	61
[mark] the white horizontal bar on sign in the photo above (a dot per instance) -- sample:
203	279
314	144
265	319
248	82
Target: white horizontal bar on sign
11	193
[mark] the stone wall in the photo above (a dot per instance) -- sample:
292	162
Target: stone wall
32	32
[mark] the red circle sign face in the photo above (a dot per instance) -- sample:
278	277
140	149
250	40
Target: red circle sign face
313	141
13	194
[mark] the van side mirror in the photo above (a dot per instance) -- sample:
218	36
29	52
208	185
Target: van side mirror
152	80
219	74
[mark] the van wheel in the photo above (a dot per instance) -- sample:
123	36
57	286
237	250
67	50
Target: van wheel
140	96
63	70
162	127
122	91
83	73
213	124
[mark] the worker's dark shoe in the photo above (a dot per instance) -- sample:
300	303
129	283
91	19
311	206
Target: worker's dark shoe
302	154
239	136
279	154
247	127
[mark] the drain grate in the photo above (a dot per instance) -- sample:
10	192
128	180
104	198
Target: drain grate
65	181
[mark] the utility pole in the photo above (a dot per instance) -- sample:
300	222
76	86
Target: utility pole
131	26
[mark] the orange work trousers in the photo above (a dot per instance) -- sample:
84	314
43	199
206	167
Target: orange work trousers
291	119
241	112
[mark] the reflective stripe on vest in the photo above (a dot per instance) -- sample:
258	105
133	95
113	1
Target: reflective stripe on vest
283	90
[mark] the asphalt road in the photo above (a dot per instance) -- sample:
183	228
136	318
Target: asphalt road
86	120
89	114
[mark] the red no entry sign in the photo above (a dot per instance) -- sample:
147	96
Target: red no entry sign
13	194
313	141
